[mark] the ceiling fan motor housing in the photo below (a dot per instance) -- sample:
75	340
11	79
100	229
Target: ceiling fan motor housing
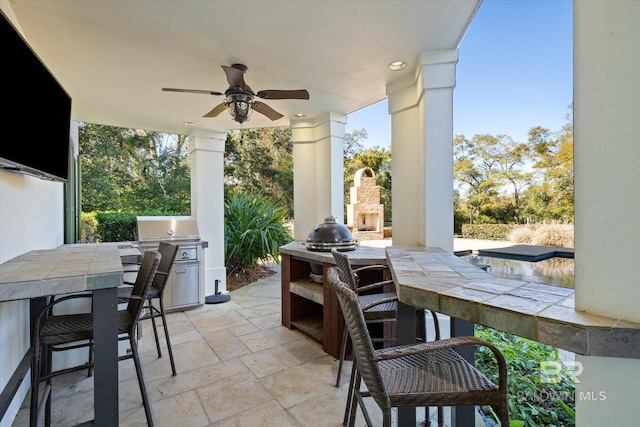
242	67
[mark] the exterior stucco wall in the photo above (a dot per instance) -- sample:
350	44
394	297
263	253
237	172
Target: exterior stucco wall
31	217
607	155
318	180
607	199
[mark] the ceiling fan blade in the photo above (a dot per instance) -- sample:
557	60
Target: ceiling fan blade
283	94
217	110
263	108
235	77
206	92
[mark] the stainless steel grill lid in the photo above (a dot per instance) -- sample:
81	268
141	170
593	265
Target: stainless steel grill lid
330	234
156	228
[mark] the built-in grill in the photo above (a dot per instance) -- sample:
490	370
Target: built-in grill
330	234
185	287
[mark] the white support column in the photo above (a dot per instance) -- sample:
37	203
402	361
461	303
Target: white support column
607	199
207	202
421	111
318	178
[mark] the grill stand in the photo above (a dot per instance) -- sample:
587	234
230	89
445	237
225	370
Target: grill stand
217	297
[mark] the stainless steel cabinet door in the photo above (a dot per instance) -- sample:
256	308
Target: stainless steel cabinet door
185	289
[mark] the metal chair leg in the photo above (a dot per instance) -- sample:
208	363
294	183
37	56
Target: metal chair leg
350	393
143	388
155	331
166	335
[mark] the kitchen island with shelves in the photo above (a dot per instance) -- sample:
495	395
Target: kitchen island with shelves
313	307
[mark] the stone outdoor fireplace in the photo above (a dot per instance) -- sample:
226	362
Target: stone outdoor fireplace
365	213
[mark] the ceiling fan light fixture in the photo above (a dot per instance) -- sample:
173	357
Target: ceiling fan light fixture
239	106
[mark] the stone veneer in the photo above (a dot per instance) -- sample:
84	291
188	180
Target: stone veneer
365	213
437	280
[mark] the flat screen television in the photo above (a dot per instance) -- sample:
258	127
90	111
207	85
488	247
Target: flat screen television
36	117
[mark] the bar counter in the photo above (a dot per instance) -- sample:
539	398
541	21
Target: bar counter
437	280
96	268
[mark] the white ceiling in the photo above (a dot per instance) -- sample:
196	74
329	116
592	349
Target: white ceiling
114	56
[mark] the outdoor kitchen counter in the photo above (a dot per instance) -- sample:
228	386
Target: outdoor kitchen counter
313	308
129	252
96	268
437	280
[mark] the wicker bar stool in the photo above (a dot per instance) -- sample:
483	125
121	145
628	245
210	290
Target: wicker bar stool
378	312
168	251
425	374
70	331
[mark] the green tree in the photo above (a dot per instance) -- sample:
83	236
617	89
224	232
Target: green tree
133	170
260	161
552	197
490	170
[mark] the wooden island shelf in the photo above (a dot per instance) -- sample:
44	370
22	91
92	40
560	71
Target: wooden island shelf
312	307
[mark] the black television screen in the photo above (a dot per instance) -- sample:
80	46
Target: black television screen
37	112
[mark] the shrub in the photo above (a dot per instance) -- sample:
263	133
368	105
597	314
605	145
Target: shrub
560	235
487	231
551	234
531	399
116	226
254	229
112	226
522	234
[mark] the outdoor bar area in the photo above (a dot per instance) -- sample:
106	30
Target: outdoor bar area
268	355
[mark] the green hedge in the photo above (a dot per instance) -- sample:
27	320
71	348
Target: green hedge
487	231
117	226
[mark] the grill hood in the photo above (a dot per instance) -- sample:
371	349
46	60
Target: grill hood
156	228
329	235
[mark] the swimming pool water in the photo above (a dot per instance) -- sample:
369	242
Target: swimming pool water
552	271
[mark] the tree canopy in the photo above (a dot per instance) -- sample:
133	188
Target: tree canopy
496	179
260	161
133	170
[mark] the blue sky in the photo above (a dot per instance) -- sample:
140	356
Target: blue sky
515	72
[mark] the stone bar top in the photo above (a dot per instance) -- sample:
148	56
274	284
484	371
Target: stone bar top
66	269
366	255
437	280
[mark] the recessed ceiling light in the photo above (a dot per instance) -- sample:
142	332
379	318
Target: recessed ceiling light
189	124
397	65
300	115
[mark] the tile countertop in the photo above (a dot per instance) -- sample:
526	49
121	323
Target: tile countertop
438	280
66	269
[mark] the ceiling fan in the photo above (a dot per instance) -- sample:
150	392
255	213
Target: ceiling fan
239	97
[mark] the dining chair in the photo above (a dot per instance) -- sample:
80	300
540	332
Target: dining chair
168	251
383	307
62	332
423	374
